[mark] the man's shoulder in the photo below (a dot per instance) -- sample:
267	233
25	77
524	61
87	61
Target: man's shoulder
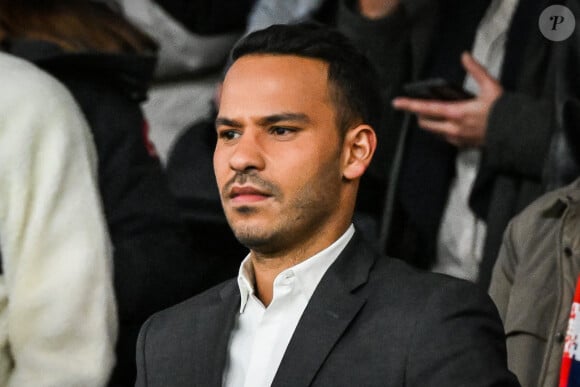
428	318
30	93
393	272
21	76
545	210
186	312
570	193
394	283
13	66
393	279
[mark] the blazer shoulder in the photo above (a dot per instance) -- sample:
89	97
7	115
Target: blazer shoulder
181	345
417	288
449	316
181	314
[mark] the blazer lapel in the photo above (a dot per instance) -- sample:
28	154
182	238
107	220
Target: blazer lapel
212	355
329	312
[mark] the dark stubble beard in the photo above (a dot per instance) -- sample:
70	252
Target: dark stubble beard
246	235
309	205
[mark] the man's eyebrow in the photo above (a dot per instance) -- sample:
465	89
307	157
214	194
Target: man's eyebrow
227	122
293	117
265	121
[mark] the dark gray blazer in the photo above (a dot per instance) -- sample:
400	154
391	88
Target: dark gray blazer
372	321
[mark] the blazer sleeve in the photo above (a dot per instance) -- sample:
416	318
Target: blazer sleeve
516	116
459	341
60	323
141	355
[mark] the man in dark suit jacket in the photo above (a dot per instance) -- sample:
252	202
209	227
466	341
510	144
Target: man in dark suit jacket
313	304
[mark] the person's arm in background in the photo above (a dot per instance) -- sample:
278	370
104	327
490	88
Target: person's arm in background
461	123
504	273
495	120
513	117
59	323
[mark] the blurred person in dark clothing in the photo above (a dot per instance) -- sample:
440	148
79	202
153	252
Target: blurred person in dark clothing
107	64
450	175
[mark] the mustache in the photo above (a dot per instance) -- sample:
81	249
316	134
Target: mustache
252	178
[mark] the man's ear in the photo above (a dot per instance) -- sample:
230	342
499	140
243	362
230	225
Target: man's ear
358	150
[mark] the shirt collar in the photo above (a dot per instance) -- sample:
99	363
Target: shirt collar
555	202
564	196
308	272
573	192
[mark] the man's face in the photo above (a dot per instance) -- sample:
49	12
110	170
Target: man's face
278	156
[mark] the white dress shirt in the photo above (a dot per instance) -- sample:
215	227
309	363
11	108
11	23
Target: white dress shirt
462	233
260	335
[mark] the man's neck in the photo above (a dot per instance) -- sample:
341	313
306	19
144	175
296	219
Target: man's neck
268	266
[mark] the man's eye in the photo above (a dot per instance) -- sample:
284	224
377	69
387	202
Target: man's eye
281	131
229	134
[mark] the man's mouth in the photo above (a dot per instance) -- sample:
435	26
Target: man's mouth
247	194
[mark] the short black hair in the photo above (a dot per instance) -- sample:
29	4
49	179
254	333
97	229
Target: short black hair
356	92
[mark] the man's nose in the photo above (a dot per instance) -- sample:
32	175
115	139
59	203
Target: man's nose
248	153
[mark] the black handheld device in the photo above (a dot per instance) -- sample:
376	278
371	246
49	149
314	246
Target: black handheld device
436	88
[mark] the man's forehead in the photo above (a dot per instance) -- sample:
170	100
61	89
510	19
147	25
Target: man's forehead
286	64
280	77
259	86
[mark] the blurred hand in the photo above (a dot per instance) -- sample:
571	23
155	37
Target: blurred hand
376	9
461	123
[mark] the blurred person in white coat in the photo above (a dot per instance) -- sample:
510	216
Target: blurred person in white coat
58	321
